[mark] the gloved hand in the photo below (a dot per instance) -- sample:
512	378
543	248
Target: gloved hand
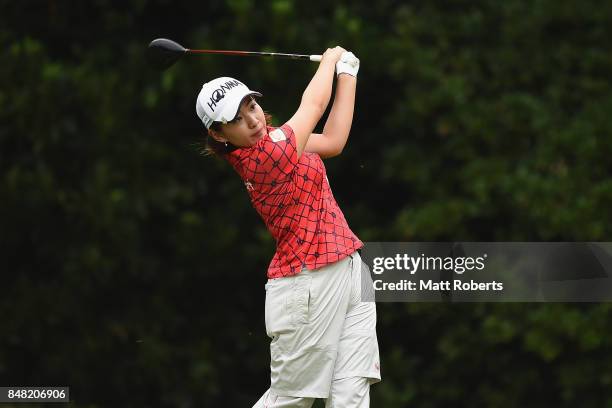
348	64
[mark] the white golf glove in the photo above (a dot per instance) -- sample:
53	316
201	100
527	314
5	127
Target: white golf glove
348	64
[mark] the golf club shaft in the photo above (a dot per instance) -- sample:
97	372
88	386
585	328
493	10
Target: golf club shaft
316	58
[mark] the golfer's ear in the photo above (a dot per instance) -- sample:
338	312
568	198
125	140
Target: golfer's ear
218	136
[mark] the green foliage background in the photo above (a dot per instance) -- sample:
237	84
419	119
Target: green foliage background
133	267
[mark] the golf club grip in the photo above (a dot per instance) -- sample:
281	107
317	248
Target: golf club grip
316	58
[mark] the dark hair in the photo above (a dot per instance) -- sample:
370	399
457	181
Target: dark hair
210	147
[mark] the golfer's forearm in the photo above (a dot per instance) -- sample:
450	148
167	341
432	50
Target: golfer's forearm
318	91
338	124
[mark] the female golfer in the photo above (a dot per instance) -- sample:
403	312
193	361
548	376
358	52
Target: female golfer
323	335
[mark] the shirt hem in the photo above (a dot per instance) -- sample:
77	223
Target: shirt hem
305	265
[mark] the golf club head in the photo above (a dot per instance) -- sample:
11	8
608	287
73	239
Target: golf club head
162	53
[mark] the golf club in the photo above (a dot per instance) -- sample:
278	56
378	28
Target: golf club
164	52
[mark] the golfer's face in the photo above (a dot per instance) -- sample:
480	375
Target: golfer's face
248	126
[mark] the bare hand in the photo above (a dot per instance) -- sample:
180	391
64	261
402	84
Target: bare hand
333	54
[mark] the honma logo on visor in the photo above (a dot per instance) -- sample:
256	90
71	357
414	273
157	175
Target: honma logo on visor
220	92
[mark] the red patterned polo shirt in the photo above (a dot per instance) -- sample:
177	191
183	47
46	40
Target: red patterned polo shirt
294	199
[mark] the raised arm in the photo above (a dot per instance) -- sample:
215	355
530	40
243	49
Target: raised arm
315	99
338	125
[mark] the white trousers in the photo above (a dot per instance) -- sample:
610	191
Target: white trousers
352	392
324	341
